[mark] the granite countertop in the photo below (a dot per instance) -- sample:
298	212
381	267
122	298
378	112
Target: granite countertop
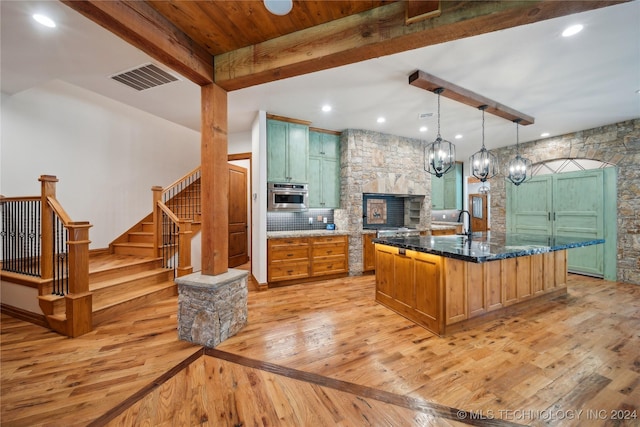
487	246
451	226
305	233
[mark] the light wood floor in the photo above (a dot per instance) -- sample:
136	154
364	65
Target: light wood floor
327	354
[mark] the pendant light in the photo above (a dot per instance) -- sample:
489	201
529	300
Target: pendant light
483	164
440	155
519	167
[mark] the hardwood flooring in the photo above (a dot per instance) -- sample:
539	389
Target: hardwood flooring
327	354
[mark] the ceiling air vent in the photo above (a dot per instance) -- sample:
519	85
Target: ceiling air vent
144	77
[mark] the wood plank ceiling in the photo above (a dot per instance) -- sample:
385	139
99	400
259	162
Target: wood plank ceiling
224	26
238	44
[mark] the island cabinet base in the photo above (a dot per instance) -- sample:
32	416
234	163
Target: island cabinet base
445	294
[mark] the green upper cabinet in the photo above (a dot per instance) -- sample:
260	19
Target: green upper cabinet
446	192
324	170
287	152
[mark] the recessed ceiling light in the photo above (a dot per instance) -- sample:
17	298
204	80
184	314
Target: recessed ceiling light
326	108
545	134
381	120
278	7
572	30
44	20
458	136
424	129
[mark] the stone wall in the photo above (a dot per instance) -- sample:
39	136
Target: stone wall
618	144
374	162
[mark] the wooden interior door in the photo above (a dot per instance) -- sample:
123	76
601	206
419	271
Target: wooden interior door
478	209
238	235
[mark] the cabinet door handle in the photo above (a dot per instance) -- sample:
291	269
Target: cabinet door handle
549	216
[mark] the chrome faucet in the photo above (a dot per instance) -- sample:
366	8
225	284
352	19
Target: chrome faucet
467	232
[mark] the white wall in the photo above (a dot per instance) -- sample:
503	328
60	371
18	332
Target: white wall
106	155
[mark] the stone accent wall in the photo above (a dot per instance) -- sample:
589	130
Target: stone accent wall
211	308
374	162
618	144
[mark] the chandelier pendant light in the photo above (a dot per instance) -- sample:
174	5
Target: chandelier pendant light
483	164
440	155
520	167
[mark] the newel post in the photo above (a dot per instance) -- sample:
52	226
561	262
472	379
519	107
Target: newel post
184	243
47	189
79	300
157	219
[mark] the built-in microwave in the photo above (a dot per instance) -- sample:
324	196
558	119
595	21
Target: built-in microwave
287	197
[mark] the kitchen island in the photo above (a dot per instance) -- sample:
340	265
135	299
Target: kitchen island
445	283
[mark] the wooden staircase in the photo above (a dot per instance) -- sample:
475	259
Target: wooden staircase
129	274
118	283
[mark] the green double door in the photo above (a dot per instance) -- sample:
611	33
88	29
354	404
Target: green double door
565	204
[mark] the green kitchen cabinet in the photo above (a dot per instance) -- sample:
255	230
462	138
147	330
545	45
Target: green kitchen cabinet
287	152
324	170
446	192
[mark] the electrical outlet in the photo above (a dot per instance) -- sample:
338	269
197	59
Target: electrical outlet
324	220
444	216
310	220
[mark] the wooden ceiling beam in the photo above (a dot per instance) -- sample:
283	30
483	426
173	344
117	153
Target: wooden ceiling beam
379	32
143	27
431	83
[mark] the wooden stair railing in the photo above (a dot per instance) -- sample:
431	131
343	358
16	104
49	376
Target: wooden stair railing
58	252
175	208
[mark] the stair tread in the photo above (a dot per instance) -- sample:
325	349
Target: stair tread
125	278
133	244
50	297
130	295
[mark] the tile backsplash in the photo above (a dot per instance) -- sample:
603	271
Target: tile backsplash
290	221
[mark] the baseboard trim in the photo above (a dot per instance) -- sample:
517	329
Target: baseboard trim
21	314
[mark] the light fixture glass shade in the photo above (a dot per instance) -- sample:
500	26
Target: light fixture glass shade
439	157
519	170
278	7
483	164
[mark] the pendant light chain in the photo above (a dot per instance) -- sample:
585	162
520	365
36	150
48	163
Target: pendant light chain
438	91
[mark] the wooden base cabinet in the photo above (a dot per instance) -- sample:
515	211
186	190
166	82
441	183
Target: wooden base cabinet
368	253
304	259
445	294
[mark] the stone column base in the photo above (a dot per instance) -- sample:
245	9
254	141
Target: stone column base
211	308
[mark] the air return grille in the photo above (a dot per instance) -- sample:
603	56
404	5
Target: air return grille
144	77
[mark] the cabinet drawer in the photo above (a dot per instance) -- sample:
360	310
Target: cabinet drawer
289	253
327	250
330	239
287	242
329	265
288	271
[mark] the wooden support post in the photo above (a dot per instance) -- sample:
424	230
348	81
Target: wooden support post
215	181
47	188
184	243
79	300
157	220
